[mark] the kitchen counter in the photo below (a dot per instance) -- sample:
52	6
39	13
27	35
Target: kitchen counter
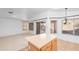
40	40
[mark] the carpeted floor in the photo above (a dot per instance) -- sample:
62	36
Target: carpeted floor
13	43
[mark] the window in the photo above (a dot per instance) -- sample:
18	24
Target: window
76	26
67	27
71	27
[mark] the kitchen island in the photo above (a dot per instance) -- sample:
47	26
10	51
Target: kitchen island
41	43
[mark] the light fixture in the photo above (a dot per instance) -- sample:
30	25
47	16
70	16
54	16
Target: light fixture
11	12
65	16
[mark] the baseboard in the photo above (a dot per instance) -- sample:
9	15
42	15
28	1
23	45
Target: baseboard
23	49
11	35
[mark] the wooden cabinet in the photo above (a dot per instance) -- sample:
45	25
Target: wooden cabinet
54	44
47	47
33	48
51	46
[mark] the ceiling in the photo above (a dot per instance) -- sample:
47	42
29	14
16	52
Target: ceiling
24	13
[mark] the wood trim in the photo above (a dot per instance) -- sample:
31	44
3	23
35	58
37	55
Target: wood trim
47	47
32	47
24	49
54	44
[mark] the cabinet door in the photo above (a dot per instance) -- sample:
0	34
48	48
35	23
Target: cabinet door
47	47
33	48
54	45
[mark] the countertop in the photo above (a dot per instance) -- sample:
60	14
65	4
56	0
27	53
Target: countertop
40	40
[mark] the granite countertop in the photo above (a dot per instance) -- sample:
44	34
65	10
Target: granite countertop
40	40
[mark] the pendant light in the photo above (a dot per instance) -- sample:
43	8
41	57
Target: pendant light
65	16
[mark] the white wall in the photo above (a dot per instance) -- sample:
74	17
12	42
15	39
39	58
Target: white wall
10	27
51	13
46	14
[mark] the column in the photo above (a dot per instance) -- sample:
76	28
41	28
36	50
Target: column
73	27
48	34
59	27
34	28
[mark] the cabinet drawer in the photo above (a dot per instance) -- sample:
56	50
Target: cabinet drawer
47	47
33	48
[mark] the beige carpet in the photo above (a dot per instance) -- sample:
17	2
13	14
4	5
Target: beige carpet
13	43
18	43
67	46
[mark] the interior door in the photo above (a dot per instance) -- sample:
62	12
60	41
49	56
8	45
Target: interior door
31	27
38	27
53	26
